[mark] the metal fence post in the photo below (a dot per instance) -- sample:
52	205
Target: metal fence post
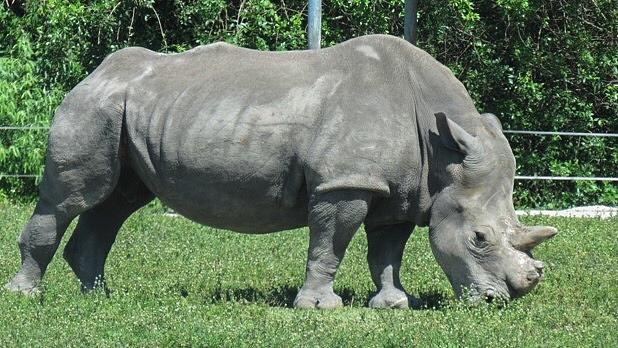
409	26
314	24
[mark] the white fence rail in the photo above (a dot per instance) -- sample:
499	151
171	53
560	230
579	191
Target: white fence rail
517	177
571	134
23	128
565	178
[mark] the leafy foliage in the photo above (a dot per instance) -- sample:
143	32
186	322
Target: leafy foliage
23	102
537	64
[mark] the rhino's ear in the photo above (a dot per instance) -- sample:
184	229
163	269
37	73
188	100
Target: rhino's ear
492	120
454	137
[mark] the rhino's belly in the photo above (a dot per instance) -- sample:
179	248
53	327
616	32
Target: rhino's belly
229	200
251	184
222	207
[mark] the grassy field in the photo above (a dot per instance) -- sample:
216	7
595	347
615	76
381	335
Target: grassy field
175	283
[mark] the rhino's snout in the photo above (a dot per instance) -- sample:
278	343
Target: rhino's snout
539	265
533	278
526	281
537	273
491	295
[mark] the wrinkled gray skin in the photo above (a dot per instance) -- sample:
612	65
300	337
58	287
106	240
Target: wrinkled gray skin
371	131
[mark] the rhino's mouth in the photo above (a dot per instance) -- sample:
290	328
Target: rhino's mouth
492	294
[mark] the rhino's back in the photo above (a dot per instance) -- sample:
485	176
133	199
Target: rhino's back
236	138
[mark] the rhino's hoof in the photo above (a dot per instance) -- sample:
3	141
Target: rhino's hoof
24	287
309	299
390	299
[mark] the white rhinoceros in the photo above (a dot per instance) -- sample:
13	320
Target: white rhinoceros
372	131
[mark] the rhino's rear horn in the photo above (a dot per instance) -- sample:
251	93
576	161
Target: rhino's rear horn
532	236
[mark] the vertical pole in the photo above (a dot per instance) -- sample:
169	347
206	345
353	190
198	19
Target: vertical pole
409	26
314	24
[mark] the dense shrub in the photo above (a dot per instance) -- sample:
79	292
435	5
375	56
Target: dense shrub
537	64
24	101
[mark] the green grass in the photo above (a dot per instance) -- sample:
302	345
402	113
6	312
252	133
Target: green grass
176	283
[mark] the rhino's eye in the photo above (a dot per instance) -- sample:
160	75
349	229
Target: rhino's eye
480	237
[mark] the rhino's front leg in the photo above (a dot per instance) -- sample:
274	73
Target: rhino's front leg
334	217
385	250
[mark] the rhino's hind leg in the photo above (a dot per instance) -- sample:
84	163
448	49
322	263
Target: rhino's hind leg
82	168
37	244
334	217
97	228
385	250
60	202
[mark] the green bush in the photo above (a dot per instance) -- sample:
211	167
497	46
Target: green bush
537	64
24	101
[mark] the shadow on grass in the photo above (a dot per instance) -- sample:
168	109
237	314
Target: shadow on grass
430	300
283	296
280	296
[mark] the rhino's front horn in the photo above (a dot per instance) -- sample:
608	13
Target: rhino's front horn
532	236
